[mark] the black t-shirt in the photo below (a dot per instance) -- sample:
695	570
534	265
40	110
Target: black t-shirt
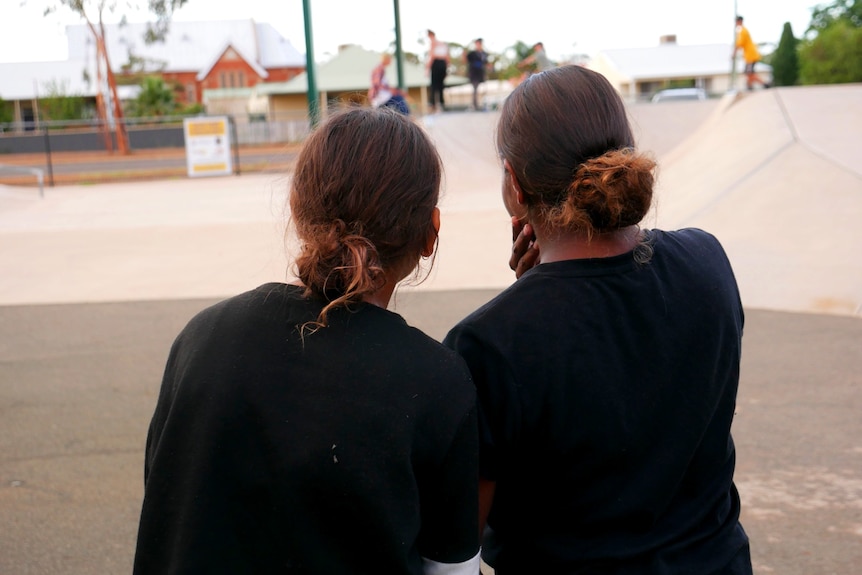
606	393
476	62
351	451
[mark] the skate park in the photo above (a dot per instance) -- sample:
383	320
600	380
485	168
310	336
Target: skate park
99	279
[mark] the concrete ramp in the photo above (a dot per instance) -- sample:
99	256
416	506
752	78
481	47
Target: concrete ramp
777	177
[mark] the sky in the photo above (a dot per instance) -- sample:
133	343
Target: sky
566	27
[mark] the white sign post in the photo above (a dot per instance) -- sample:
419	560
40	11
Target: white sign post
208	146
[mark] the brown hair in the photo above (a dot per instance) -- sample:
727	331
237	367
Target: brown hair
364	189
567	137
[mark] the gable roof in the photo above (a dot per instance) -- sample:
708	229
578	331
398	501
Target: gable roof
189	46
670	61
254	65
350	70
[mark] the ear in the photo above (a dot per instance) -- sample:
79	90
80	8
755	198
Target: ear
519	193
433	233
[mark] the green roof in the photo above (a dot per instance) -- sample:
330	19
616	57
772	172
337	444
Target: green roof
350	71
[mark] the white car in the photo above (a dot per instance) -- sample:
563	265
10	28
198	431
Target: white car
679	94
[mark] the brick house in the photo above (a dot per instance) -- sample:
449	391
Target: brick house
196	56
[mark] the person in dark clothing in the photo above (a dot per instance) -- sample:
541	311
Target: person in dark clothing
304	428
607	373
477	64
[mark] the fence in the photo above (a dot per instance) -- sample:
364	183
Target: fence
143	133
48	138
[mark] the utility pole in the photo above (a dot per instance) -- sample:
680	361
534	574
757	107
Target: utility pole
733	47
313	97
399	55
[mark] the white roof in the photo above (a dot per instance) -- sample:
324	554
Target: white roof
670	61
27	80
189	46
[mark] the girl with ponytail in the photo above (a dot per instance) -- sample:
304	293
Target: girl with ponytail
304	428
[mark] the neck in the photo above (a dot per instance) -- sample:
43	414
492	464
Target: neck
560	246
381	297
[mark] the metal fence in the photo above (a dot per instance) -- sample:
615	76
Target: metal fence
143	133
35	143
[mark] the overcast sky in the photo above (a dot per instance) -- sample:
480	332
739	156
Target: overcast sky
565	26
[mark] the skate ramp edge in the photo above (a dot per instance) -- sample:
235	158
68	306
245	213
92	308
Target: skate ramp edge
776	176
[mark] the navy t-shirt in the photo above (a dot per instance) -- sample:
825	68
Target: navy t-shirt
606	393
476	62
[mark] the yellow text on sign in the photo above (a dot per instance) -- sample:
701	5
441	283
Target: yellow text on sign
206	128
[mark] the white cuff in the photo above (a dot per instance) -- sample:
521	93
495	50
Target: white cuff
468	567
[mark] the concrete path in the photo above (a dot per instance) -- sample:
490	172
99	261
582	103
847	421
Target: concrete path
97	280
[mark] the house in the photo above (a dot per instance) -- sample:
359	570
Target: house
196	56
638	73
342	80
23	84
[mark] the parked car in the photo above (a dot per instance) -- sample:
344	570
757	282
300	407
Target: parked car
674	94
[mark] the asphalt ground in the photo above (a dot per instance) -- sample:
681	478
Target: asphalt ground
78	384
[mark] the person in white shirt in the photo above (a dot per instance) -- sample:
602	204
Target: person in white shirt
437	65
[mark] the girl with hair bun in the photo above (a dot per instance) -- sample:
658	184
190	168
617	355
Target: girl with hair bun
304	428
607	373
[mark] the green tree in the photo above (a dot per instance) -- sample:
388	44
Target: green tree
156	99
6	112
59	105
825	15
834	56
785	59
508	61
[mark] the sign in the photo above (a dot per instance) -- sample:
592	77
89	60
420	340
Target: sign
207	146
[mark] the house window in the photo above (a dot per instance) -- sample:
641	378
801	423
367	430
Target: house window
232	77
223	80
191	94
241	77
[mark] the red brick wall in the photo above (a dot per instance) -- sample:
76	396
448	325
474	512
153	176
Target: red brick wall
231	71
186	83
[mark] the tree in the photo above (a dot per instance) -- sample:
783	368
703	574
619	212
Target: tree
92	12
6	113
832	50
825	15
155	99
59	105
834	56
508	61
785	60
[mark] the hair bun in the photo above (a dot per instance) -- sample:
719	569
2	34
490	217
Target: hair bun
609	192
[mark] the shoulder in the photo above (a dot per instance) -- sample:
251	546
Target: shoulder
692	240
247	302
249	313
483	327
694	258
